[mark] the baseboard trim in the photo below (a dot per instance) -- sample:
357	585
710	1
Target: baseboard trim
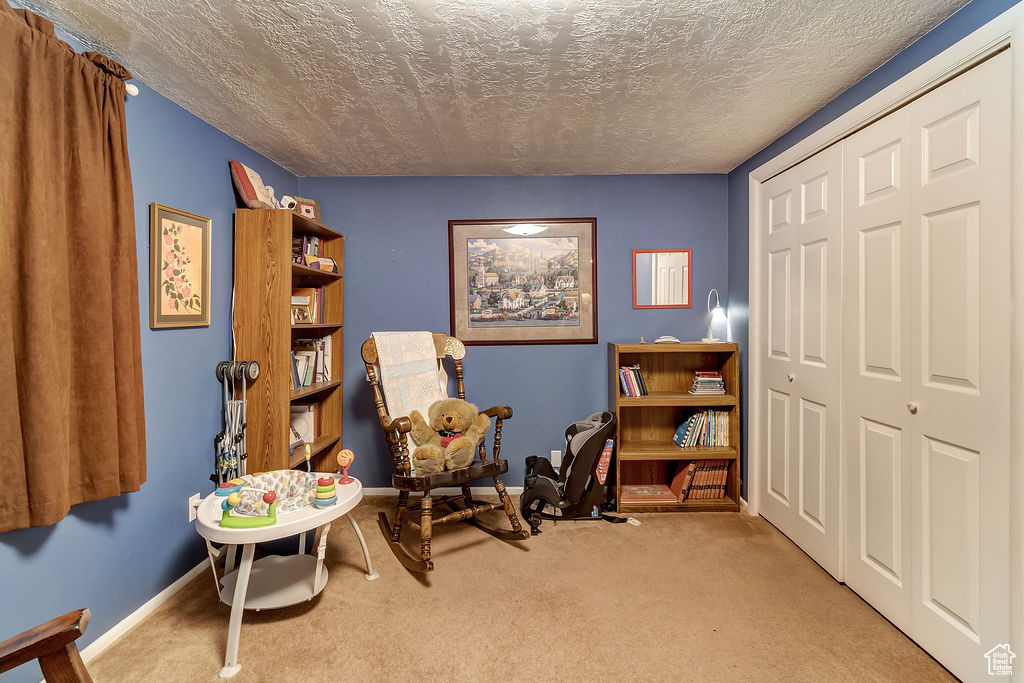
743	506
447	491
104	641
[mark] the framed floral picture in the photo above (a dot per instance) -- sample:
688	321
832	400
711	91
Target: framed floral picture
179	268
523	281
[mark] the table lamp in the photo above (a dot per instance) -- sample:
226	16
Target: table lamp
716	316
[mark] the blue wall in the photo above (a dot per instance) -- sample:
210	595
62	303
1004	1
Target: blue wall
968	19
113	555
396	278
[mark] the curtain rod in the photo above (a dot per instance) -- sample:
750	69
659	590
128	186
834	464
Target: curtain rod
131	89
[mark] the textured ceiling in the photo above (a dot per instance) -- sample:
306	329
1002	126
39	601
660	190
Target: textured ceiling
480	87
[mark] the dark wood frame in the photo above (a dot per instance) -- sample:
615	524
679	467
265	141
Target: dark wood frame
689	277
156	319
53	644
505	335
457	508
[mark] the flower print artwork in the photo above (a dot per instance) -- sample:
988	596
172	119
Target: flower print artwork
179	268
181	247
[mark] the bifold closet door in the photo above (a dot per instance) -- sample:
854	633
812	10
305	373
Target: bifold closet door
926	366
800	214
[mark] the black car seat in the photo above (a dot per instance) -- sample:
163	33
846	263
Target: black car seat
575	489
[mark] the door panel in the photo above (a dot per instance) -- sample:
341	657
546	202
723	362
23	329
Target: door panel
950	569
778	446
881	499
876	388
950	281
960	257
926	358
880	270
814	284
813	452
801	299
778	304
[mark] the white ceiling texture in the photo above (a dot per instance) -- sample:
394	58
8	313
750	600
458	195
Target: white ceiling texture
486	87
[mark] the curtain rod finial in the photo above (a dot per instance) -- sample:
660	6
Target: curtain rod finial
131	89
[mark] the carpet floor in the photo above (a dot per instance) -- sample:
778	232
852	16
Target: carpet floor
716	597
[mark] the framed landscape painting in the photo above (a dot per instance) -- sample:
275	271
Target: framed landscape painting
523	281
179	268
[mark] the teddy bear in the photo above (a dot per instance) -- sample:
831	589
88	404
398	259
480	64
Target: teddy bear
448	438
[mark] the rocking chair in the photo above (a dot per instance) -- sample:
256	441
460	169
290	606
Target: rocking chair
461	507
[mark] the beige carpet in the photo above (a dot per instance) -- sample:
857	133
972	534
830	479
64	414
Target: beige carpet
722	597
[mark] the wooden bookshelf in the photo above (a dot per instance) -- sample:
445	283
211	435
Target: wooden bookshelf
264	278
645	424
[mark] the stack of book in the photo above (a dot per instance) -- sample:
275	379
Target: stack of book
700	480
652	494
311	362
703	428
632	381
707	383
307	305
304	245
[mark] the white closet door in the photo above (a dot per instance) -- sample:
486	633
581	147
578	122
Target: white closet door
876	379
927	355
801	216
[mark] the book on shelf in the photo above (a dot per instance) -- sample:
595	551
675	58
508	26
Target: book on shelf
303	421
305	245
703	428
312	298
700	480
632	380
320	263
680	485
707	383
646	493
313	358
305	359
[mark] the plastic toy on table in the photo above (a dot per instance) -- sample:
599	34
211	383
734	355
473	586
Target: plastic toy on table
345	459
254	500
325	492
248	512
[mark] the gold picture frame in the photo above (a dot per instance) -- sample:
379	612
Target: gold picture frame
179	268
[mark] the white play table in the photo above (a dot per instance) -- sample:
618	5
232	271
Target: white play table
273	581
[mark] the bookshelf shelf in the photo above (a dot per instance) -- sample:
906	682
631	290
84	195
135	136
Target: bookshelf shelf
305	330
265	276
313	390
662	450
706	505
646	454
313	275
675	398
316	448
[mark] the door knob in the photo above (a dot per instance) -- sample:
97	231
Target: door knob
790	377
912	407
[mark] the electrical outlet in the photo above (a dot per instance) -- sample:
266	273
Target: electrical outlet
193	503
556	460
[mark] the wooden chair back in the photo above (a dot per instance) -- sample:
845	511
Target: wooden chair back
395	426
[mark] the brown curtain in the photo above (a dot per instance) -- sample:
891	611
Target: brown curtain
72	426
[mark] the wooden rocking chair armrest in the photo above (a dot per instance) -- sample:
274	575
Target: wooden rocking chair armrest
402	425
504	412
43	640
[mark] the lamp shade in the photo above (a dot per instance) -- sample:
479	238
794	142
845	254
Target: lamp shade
718	322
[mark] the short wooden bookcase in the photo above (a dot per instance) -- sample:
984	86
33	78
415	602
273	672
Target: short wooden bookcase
646	424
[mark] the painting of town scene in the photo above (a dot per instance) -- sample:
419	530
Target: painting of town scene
523	282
